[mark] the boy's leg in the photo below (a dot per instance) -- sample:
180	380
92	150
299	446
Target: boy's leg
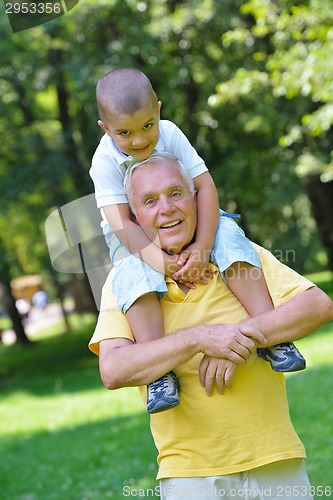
145	318
135	286
248	284
146	321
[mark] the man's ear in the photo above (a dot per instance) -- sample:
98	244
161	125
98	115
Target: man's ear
103	126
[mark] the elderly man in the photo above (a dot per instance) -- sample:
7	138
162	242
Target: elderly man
231	435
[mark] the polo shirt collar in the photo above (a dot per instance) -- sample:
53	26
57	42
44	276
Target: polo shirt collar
127	160
120	157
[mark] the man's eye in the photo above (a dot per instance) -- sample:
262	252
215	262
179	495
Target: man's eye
150	201
148	126
175	194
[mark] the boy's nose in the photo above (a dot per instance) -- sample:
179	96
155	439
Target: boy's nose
138	141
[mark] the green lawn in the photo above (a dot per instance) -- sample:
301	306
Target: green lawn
63	435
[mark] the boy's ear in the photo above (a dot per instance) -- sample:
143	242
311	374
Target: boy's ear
103	126
159	105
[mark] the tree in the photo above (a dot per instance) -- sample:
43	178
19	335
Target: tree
282	94
231	74
8	299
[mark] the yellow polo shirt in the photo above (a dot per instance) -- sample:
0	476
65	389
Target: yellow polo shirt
249	426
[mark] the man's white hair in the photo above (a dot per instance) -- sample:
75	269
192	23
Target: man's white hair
159	157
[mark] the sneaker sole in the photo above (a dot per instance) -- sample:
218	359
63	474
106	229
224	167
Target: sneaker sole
162	407
296	367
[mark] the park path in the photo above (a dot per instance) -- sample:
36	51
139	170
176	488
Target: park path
38	320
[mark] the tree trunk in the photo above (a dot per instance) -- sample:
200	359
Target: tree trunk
321	197
79	176
9	304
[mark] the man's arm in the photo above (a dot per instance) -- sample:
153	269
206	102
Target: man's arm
295	319
305	313
123	363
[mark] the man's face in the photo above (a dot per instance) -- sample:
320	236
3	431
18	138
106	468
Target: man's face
164	206
136	135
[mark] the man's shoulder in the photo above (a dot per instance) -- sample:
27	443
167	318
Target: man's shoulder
282	280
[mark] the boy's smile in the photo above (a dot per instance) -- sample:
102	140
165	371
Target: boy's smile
135	135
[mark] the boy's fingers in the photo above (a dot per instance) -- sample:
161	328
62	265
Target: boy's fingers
183	258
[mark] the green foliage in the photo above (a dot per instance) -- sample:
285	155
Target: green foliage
248	82
281	95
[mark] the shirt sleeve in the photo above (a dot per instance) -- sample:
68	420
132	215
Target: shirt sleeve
283	282
178	144
111	323
108	178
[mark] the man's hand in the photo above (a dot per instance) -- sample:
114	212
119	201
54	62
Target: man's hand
233	342
194	266
216	371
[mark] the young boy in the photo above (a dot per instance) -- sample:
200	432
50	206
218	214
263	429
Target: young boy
129	112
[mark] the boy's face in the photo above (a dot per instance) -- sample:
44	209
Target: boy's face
135	135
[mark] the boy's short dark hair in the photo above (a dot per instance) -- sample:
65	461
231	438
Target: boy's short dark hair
123	91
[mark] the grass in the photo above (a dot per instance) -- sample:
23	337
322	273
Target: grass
62	435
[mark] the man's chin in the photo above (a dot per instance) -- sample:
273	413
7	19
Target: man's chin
174	248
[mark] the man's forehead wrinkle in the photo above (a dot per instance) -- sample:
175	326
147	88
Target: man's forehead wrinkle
155	192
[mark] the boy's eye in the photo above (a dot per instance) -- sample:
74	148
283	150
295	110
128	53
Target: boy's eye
148	126
124	133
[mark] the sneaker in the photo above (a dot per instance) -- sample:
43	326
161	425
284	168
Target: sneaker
163	393
283	357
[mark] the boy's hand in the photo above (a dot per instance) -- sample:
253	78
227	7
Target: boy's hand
171	265
194	266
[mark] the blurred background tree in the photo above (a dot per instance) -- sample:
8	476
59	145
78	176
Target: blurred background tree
248	82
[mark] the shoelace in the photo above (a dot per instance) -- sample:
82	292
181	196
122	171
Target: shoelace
160	385
285	346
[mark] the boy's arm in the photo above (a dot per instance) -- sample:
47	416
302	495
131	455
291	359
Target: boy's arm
208	211
196	257
132	236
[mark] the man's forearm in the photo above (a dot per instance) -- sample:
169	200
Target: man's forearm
123	363
296	319
139	364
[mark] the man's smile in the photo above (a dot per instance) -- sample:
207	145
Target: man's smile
171	224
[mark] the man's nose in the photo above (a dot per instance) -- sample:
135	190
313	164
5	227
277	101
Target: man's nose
166	205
